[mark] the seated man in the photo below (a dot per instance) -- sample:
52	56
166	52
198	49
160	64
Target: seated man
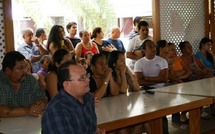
31	49
72	110
20	92
152	71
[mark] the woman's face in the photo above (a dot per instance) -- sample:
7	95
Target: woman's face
188	48
85	37
120	61
61	32
172	51
165	49
207	46
100	35
99	66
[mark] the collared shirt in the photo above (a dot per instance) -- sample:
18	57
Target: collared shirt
29	92
29	52
66	115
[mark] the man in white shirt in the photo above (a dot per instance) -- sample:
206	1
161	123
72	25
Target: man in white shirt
151	71
133	52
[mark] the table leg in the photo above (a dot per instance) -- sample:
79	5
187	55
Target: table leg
156	126
194	121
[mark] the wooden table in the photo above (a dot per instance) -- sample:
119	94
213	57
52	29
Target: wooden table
204	87
129	109
20	125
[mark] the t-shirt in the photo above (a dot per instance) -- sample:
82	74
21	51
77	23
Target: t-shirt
134	44
117	43
151	67
74	40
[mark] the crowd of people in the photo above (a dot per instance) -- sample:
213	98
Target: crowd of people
73	74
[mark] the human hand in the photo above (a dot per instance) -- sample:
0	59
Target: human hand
36	109
123	68
107	71
35	40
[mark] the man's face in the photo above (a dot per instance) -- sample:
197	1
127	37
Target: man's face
73	30
28	36
144	31
150	49
79	81
18	73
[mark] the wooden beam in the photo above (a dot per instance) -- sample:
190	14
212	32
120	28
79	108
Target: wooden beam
156	20
8	25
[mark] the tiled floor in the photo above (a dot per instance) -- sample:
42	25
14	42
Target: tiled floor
206	126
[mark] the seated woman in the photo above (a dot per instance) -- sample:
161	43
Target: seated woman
59	57
56	40
205	54
44	61
124	80
198	69
101	80
121	74
179	72
162	49
85	45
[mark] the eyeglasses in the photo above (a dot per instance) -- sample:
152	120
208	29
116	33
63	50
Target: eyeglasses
83	77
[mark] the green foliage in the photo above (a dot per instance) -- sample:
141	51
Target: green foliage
90	13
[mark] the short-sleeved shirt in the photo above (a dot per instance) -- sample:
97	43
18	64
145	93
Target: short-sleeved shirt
117	43
29	92
134	44
29	52
66	115
151	68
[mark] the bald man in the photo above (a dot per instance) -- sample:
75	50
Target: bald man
114	39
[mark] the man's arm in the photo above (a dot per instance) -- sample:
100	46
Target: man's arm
6	111
34	109
147	81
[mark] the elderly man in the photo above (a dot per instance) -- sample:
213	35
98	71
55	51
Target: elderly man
72	110
31	49
20	92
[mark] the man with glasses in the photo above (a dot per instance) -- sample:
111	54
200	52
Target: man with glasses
20	92
72	110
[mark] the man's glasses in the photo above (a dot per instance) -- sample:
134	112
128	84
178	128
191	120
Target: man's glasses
83	77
